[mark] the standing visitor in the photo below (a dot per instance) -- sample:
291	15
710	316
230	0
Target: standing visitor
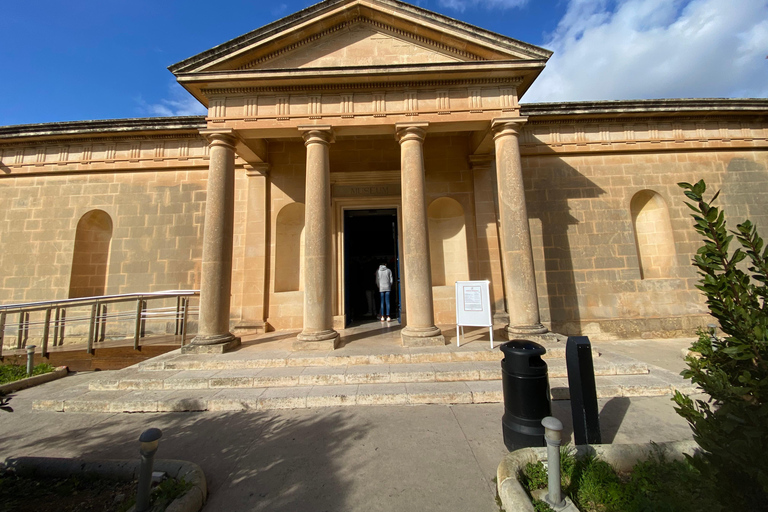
384	282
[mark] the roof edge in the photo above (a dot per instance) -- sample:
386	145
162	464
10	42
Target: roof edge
103	126
654	106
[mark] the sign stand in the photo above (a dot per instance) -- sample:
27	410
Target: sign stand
473	307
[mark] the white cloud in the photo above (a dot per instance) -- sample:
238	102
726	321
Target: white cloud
634	49
462	5
178	103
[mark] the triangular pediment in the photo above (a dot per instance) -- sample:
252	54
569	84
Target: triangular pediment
359	33
360	43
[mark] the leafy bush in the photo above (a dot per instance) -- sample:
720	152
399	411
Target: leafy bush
732	369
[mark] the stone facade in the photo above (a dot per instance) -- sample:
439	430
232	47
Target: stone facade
571	211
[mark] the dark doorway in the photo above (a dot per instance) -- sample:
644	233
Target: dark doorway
370	239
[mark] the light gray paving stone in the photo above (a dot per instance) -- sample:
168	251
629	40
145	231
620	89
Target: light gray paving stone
190	379
438	393
451	372
487	391
382	394
322	376
331	396
284	398
186	401
278	377
236	399
412	373
367	374
230	382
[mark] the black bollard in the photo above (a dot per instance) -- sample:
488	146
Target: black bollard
581	385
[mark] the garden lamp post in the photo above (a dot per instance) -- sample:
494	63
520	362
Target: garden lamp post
30	359
149	440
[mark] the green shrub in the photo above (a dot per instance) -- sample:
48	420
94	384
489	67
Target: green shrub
14	372
731	427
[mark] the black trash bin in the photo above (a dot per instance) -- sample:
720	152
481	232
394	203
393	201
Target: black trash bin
526	394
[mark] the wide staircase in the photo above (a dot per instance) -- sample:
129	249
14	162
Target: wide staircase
264	375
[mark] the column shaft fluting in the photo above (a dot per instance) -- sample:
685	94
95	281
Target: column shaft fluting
517	255
216	278
420	324
318	249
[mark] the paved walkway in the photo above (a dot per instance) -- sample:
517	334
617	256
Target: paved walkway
388	458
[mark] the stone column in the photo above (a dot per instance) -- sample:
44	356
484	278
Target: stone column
420	327
216	280
516	253
318	330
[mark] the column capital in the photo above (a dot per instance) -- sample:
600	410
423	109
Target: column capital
410	131
317	134
220	137
504	126
257	169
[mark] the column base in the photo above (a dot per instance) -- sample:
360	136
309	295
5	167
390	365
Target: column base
216	344
422	337
515	331
322	340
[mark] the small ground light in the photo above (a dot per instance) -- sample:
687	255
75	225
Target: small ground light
149	440
30	360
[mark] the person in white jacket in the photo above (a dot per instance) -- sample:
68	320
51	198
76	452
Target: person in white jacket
384	282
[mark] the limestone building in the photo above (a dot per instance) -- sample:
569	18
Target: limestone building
359	132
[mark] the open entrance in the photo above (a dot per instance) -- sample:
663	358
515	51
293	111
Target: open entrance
370	240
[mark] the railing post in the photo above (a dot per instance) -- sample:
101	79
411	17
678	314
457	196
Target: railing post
63	325
137	328
2	331
92	327
46	332
185	316
179	301
144	305
20	336
103	331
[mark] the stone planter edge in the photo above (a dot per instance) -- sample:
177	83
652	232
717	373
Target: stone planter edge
621	456
190	501
59	372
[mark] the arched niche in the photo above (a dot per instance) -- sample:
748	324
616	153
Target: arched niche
447	242
91	255
289	248
653	234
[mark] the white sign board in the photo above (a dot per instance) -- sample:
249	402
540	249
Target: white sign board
473	306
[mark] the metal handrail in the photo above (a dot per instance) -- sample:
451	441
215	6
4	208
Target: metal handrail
97	319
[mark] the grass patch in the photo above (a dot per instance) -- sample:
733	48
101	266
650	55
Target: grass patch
14	372
656	484
81	493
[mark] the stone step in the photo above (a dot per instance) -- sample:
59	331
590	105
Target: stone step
301	397
278	359
132	379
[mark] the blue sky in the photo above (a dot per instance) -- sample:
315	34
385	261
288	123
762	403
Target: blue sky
105	59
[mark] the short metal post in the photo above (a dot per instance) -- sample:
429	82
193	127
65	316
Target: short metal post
63	324
46	332
553	429
137	327
712	337
30	360
149	440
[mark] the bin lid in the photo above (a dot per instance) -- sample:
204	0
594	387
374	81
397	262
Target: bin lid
523	357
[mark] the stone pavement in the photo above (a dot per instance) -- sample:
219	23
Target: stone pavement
373	458
370	369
